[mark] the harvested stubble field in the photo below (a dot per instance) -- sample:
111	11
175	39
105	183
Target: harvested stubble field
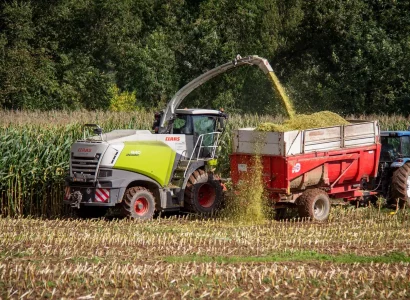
359	253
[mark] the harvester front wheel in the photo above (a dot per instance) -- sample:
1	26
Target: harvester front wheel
138	203
314	204
400	185
203	194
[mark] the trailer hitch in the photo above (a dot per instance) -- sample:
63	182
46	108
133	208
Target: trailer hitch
77	197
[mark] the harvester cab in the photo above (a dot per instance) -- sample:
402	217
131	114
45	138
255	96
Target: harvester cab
394	166
200	127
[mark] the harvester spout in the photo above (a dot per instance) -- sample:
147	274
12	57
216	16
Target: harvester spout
262	63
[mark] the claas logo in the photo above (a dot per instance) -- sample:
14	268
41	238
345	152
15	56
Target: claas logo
172	139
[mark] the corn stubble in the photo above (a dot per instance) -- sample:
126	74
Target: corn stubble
121	258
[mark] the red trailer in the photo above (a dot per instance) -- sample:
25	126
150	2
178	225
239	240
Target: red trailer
306	168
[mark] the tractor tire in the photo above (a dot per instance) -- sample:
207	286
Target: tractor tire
138	203
203	194
314	204
91	212
400	186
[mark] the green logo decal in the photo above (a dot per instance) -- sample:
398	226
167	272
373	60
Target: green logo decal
134	153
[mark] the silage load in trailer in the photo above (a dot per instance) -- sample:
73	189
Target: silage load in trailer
302	122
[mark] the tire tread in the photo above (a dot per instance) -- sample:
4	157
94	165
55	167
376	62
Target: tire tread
200	176
305	202
399	185
129	195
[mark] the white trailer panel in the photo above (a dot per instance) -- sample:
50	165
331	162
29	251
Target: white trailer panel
358	133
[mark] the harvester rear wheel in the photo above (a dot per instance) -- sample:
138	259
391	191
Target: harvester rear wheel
400	185
203	194
314	204
138	203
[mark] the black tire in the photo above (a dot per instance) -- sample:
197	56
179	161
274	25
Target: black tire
314	204
90	212
203	194
400	185
138	203
280	213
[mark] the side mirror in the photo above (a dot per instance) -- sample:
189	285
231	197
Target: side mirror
157	119
96	130
221	124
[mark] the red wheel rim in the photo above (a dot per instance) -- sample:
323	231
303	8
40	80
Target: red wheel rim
141	206
206	195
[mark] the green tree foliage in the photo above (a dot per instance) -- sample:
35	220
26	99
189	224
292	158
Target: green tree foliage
353	57
122	101
346	56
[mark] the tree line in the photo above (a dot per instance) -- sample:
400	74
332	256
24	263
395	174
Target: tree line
351	57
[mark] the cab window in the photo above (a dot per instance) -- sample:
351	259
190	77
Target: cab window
203	124
393	147
390	145
405	146
182	125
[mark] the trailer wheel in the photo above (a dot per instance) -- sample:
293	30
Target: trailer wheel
314	204
203	194
138	203
90	212
400	186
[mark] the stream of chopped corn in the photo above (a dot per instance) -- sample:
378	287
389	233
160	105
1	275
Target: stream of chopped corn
250	203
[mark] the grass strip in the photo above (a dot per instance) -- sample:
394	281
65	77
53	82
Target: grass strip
309	256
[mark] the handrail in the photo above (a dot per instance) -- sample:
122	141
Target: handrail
200	141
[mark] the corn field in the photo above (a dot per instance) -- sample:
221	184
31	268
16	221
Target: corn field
35	152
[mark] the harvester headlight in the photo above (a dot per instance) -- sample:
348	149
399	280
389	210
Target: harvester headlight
105	173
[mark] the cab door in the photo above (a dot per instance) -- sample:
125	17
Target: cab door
183	125
204	128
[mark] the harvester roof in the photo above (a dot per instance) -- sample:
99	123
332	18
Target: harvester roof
197	111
